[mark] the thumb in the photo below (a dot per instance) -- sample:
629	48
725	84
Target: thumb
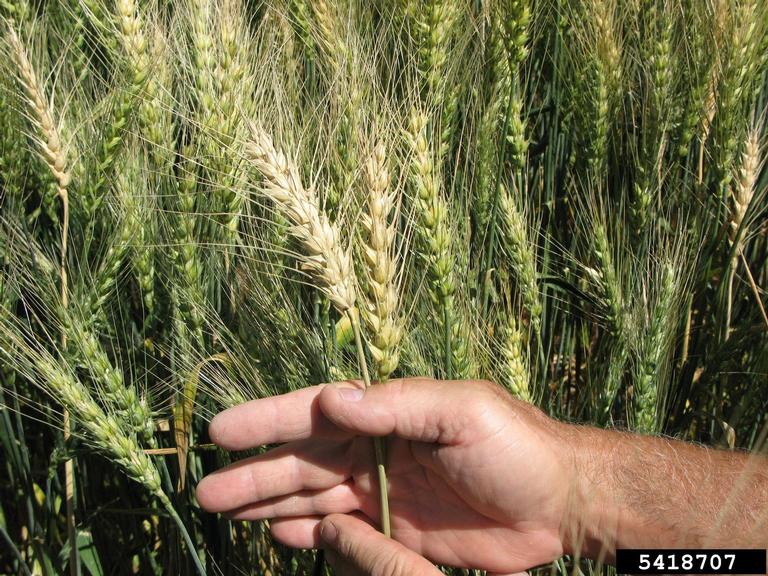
354	544
419	409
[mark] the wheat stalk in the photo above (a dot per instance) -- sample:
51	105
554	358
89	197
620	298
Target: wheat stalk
55	156
324	258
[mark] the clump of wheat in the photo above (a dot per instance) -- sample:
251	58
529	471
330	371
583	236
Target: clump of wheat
324	258
101	429
381	296
104	430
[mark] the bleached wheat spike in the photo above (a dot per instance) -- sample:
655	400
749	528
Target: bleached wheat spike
381	297
324	259
48	140
744	189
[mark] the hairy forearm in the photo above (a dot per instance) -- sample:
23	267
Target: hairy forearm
636	491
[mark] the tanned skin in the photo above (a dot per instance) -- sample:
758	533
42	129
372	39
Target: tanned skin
476	479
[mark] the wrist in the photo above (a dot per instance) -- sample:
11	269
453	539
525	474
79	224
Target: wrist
591	518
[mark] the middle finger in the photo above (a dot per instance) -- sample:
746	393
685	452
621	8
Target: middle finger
302	465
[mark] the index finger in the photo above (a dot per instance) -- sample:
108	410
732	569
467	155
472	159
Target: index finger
285	418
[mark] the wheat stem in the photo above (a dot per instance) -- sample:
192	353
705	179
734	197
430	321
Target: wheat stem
69	468
378	443
166	502
755	289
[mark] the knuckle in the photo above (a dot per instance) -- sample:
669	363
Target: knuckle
395	388
493	390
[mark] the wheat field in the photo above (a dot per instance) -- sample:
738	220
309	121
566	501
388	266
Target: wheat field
204	202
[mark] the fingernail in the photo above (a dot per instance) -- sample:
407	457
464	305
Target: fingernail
351	394
328	531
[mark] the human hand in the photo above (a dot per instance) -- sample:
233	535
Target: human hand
476	478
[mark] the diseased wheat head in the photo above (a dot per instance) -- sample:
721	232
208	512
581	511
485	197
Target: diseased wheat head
324	257
48	139
744	186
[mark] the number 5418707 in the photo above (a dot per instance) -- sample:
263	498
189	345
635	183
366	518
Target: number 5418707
685	562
